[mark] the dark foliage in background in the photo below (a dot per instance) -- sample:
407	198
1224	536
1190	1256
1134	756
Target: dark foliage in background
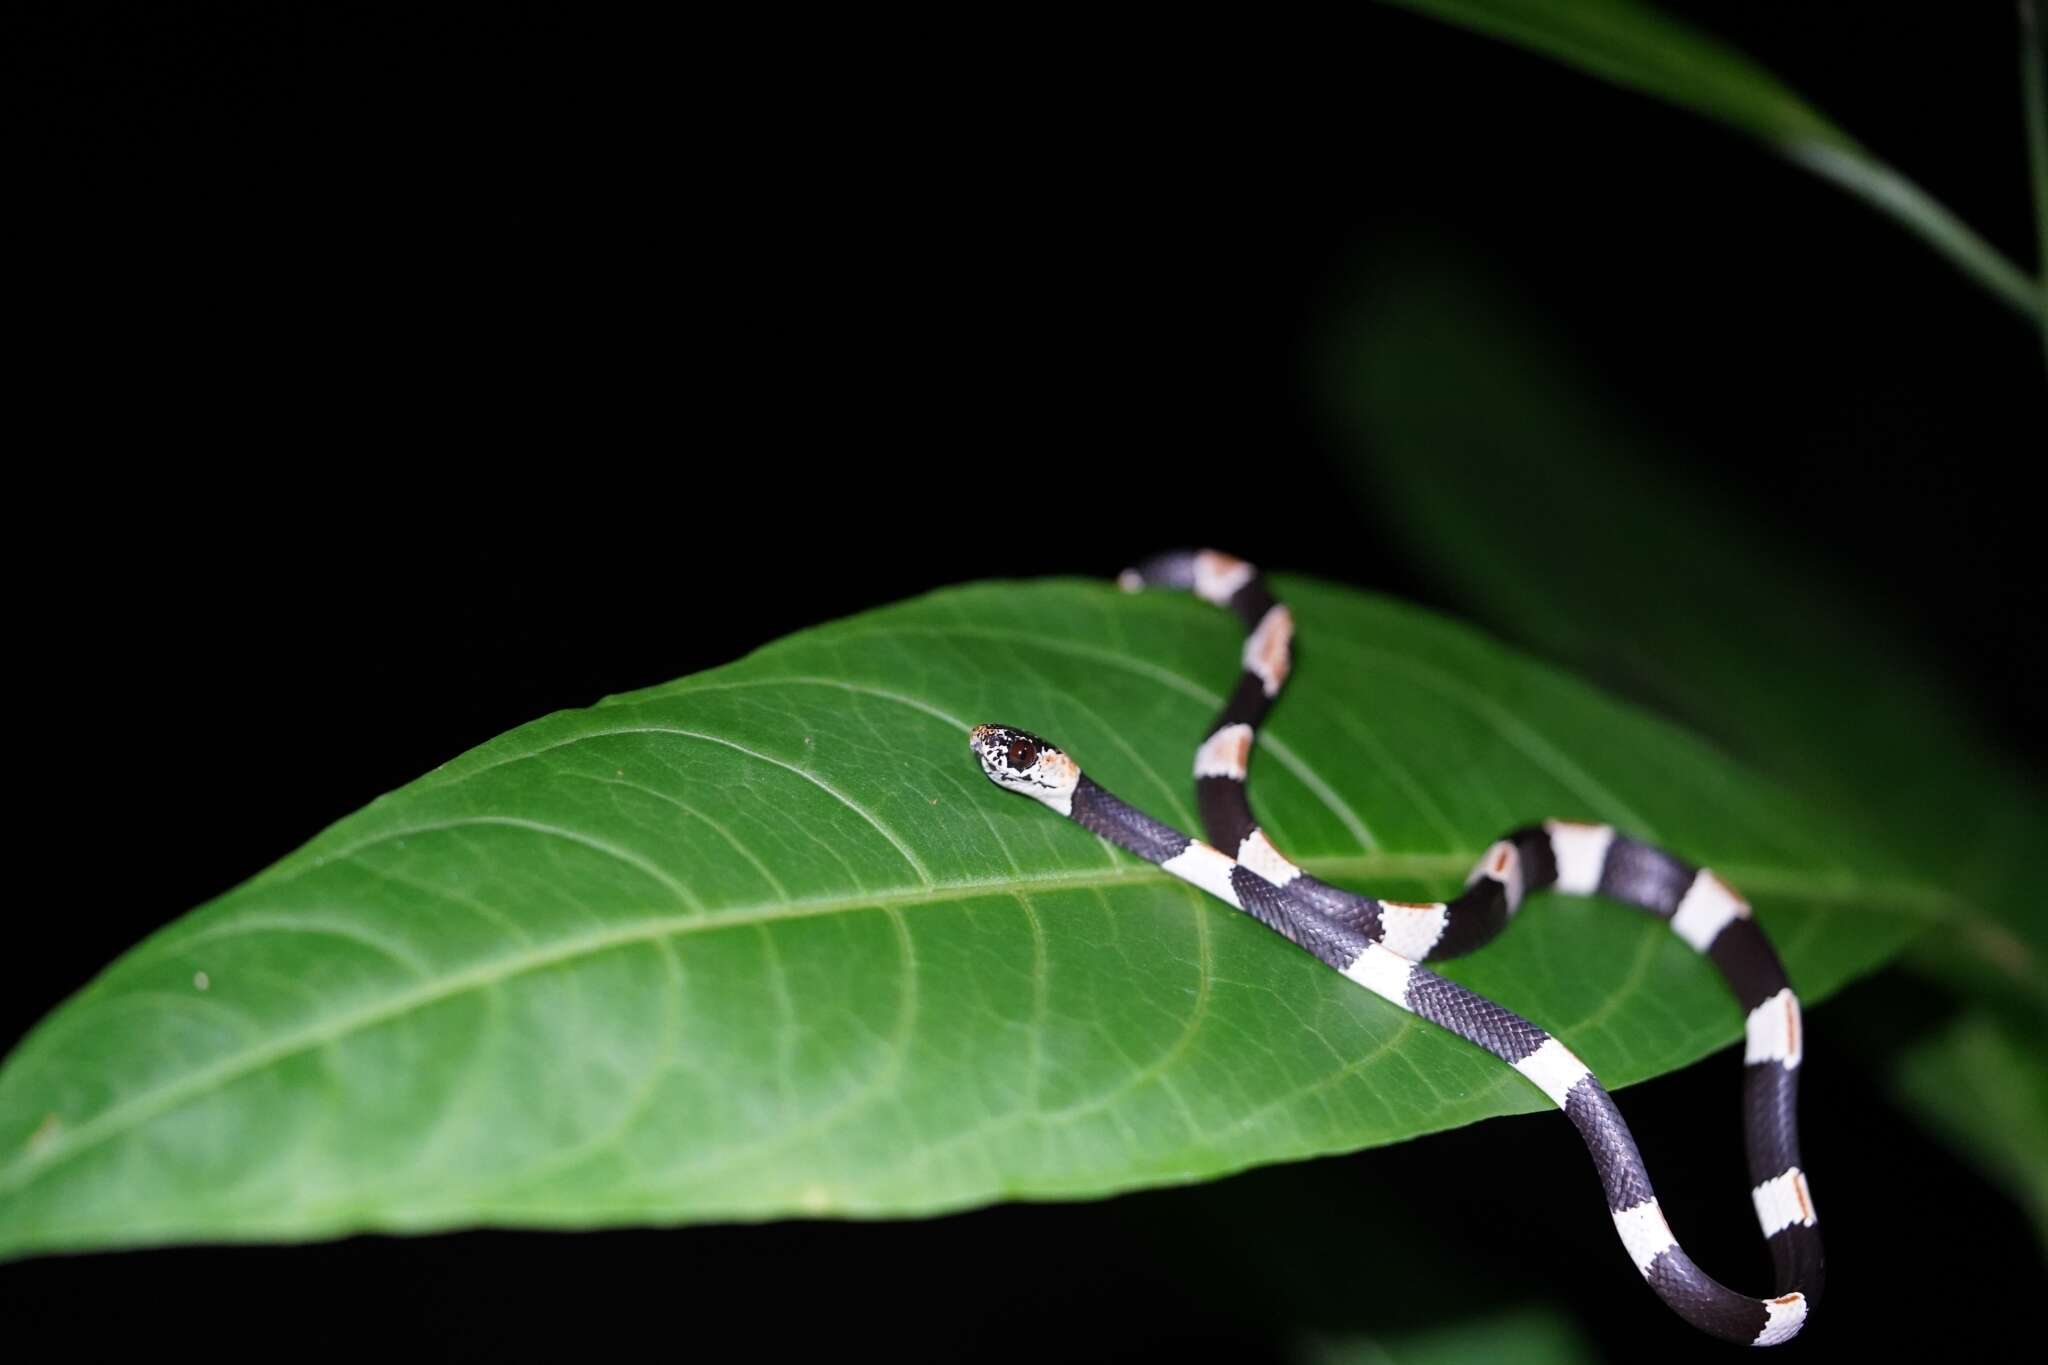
404	376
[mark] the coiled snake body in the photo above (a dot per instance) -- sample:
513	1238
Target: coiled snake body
1379	944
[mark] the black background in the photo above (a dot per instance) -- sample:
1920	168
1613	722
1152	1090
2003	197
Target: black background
392	378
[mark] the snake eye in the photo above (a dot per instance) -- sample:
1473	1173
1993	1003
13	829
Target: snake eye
1023	753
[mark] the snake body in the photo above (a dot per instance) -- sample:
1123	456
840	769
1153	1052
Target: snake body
1381	944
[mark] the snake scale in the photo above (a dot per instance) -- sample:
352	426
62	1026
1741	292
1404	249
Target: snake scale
1381	944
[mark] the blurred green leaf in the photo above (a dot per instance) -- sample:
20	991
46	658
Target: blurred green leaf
1980	1083
1649	579
1638	47
764	942
1652	582
1528	1336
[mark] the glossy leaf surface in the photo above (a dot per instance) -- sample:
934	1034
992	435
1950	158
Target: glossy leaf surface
763	942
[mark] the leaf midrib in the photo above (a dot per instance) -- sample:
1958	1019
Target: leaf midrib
1915	899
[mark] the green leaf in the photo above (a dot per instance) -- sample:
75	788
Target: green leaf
763	942
1640	48
1979	1083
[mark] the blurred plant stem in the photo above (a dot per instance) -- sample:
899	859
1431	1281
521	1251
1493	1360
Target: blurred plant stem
1638	47
2034	95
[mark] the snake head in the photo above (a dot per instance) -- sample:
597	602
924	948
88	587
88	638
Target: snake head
1019	761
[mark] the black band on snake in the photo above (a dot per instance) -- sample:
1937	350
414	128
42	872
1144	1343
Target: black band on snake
1379	944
